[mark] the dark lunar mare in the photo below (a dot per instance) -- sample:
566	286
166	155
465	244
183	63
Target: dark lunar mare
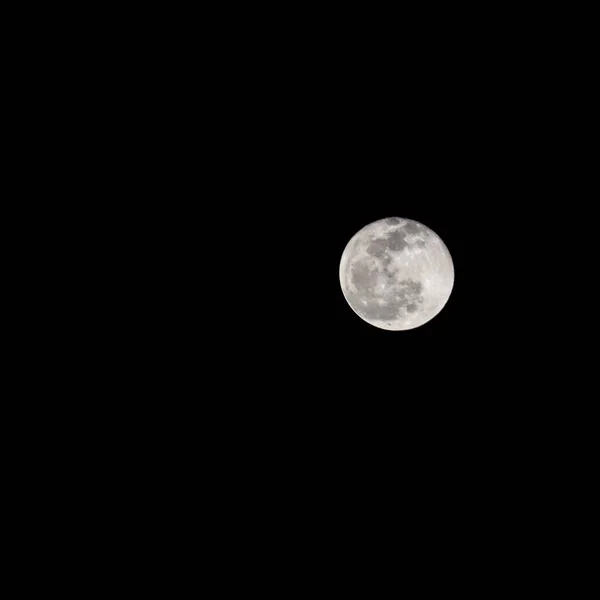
408	297
362	277
396	240
413	228
412	287
376	247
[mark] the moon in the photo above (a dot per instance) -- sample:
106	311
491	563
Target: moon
396	274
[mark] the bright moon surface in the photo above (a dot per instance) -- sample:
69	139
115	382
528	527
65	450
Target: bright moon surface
396	274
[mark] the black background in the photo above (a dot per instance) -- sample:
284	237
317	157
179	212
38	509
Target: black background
309	145
284	146
274	146
219	401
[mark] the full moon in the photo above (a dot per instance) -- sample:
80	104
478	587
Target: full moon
396	274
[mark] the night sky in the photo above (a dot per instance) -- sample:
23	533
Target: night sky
297	144
309	145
